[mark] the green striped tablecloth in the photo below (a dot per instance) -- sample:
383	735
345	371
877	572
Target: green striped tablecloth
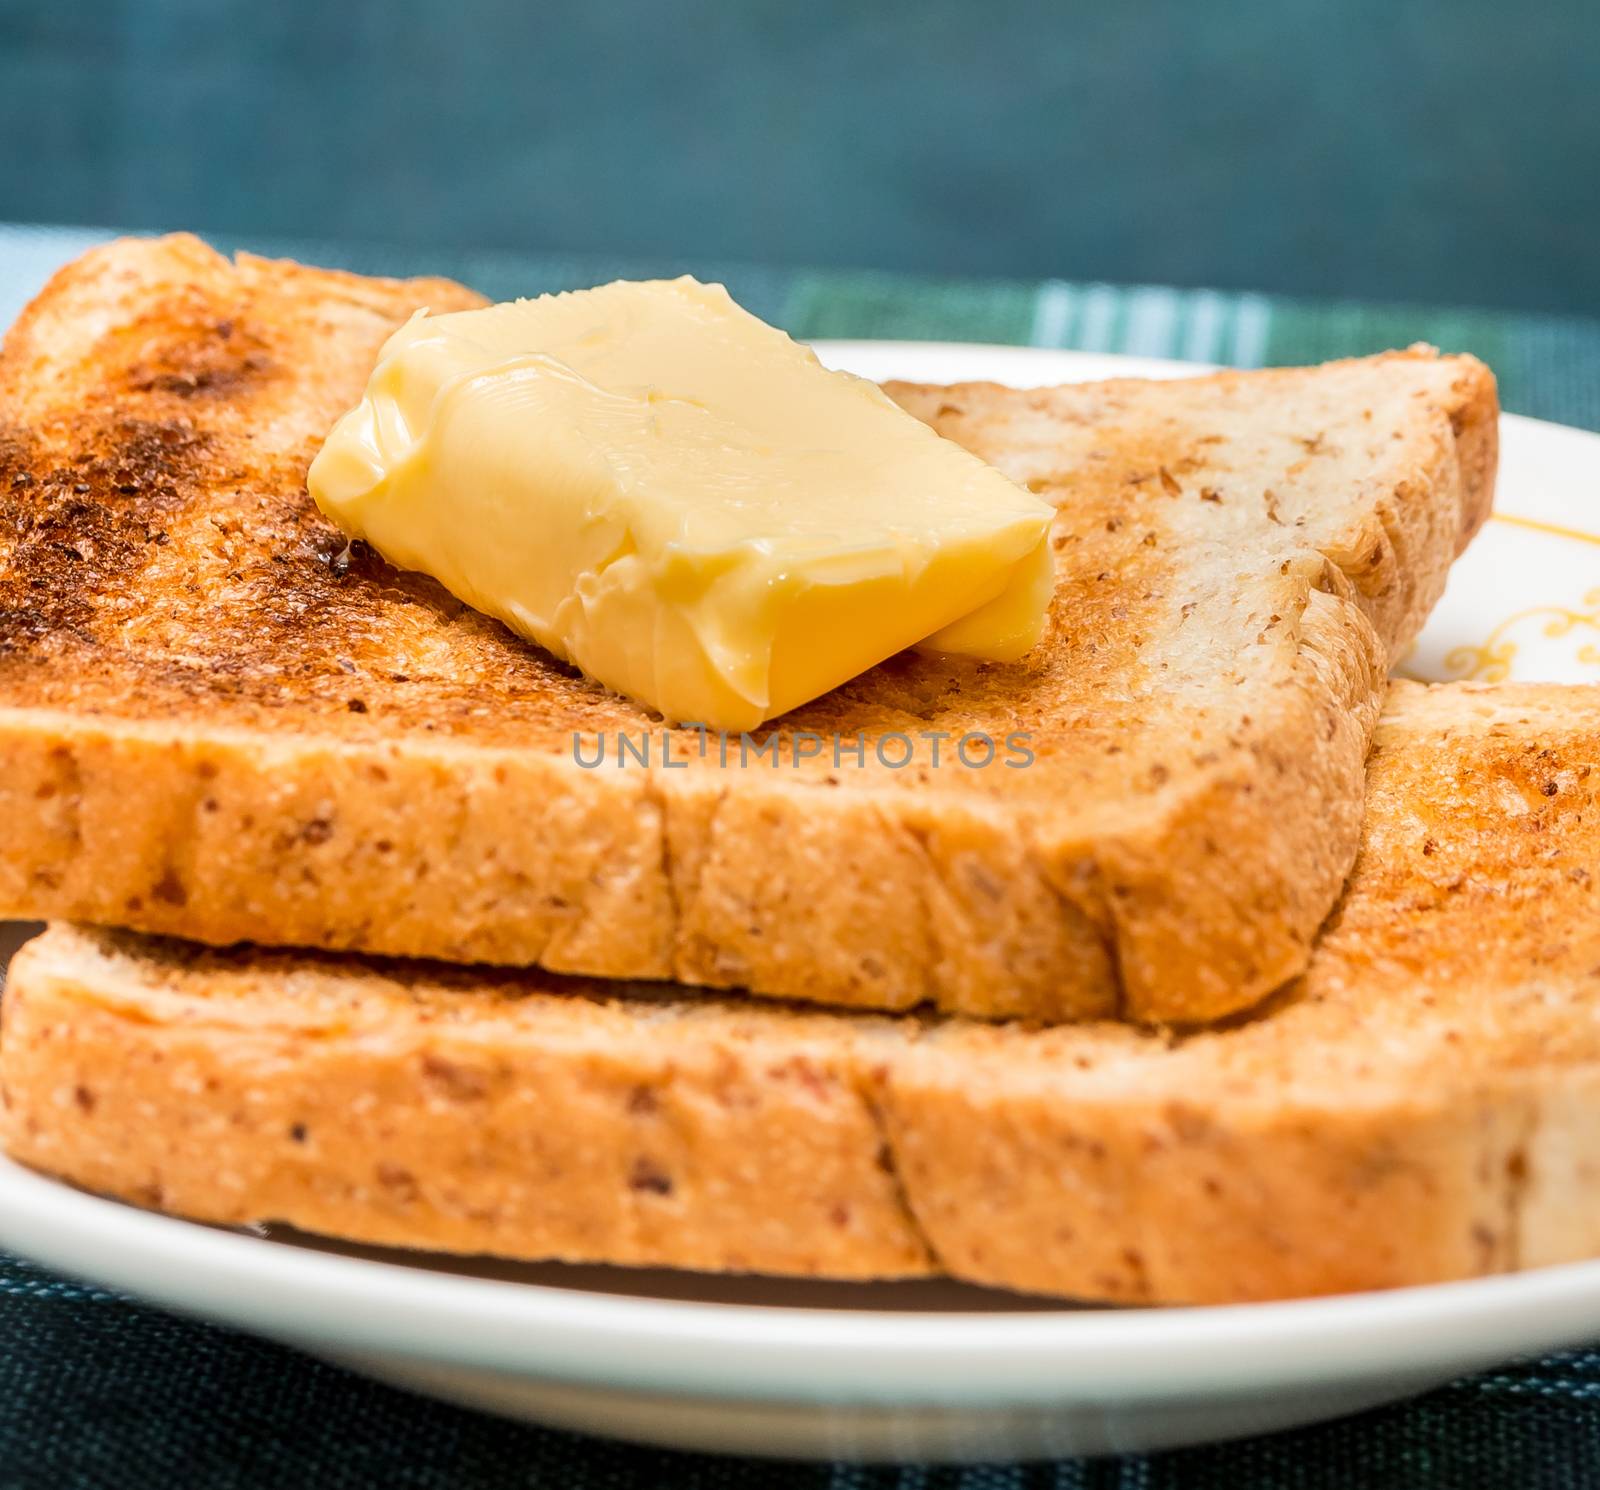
1548	366
98	1391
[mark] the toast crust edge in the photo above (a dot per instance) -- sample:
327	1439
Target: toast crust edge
779	1151
1421	1108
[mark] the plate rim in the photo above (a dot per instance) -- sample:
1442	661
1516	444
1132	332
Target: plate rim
771	1352
1130	365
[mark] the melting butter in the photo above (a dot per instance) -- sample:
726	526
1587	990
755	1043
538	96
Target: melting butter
658	487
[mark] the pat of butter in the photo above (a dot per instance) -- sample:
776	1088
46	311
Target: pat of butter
655	485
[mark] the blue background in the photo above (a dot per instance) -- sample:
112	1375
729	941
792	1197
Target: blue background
1445	151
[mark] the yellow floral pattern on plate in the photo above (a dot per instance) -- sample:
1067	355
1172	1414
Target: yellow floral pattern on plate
1491	661
1523	602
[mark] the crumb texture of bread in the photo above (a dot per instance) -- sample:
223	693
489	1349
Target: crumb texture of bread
218	721
1422	1105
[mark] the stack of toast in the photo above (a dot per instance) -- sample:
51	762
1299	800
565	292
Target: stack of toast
1259	976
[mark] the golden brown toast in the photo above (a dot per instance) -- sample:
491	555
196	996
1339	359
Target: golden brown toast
216	723
1424	1104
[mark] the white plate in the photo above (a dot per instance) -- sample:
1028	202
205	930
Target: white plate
927	1370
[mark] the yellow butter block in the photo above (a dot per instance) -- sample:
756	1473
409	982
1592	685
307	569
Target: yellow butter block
660	488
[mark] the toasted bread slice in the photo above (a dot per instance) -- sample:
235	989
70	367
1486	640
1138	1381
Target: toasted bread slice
216	723
1423	1105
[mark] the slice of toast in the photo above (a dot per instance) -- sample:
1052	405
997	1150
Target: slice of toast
1423	1105
217	723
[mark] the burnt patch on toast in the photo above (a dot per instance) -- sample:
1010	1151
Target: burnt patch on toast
74	527
316	581
216	380
207	357
191	347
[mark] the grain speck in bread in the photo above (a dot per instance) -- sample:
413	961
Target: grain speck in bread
1423	1105
214	723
